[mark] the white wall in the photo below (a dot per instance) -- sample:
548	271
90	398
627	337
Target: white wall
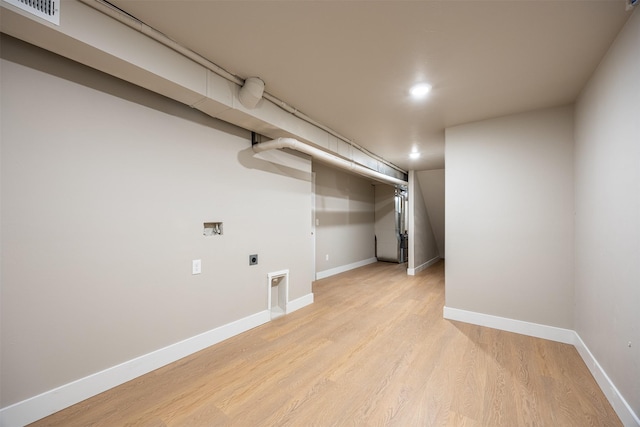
607	203
423	248
344	211
432	185
509	217
105	188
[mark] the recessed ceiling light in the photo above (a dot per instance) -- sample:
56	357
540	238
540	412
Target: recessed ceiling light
420	90
414	155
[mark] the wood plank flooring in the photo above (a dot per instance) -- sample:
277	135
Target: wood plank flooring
373	350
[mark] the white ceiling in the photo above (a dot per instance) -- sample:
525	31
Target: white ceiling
349	64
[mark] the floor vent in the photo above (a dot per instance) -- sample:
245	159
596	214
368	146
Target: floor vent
49	10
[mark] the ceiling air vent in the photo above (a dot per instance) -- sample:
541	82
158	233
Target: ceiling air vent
49	10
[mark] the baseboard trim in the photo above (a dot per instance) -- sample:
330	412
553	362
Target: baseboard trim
620	405
47	403
298	303
567	336
343	268
424	266
552	333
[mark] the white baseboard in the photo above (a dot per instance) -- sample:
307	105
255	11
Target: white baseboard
424	266
552	333
47	403
343	268
620	405
298	303
567	336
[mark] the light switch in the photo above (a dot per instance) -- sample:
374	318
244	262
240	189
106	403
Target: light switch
196	266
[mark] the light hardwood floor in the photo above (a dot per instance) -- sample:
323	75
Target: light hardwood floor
373	350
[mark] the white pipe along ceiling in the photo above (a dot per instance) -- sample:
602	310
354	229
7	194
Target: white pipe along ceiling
90	32
339	161
327	157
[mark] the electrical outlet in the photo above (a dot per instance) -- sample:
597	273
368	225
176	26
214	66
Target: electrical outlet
326	257
253	259
196	266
